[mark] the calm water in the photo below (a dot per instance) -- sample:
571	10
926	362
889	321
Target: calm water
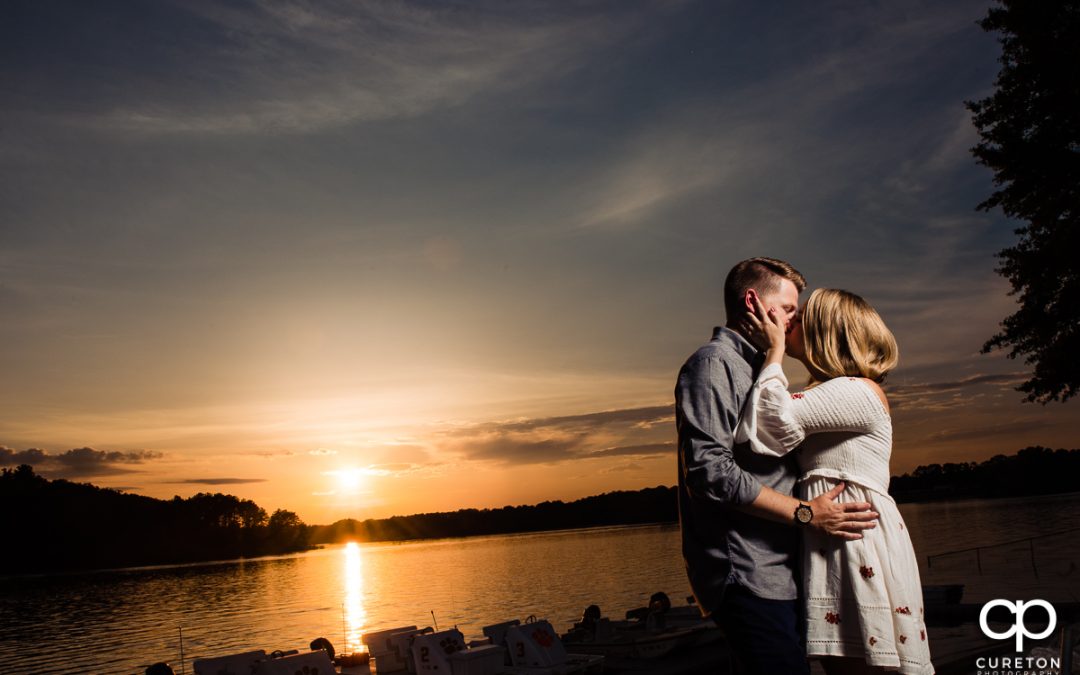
120	621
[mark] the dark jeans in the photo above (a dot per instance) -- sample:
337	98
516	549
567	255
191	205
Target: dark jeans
764	635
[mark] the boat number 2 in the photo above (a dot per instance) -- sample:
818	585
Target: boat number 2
424	655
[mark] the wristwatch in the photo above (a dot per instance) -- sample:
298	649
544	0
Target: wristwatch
803	514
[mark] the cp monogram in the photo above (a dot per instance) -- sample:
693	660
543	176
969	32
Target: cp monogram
1019	629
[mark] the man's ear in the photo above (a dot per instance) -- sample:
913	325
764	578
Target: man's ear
748	299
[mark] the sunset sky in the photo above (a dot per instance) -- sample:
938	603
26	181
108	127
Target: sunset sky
363	259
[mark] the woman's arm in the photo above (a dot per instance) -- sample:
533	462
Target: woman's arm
767	422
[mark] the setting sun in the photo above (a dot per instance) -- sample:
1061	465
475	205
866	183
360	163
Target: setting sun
350	480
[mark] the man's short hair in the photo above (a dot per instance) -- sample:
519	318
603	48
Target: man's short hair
761	274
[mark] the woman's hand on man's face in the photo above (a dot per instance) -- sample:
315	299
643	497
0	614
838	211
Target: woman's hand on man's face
765	328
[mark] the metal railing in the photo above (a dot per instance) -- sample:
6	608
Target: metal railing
1030	541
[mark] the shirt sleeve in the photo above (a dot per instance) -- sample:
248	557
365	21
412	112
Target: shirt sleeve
776	422
707	410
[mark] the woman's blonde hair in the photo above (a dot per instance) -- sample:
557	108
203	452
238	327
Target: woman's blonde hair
844	336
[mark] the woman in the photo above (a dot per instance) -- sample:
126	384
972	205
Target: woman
863	598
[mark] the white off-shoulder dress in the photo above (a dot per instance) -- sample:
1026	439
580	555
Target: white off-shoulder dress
862	598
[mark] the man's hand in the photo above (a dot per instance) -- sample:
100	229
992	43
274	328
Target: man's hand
844	520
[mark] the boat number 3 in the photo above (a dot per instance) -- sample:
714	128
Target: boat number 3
521	650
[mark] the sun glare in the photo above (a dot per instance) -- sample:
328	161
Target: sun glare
351	481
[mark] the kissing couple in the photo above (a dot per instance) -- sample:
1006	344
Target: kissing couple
791	541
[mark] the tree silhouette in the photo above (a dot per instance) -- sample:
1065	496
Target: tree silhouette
58	525
286	530
1030	130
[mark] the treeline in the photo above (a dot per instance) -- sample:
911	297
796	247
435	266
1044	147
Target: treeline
56	525
1032	471
651	505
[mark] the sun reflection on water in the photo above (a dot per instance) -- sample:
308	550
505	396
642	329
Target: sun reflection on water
355	614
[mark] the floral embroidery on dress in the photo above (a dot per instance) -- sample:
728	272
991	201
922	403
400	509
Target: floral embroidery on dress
797	395
873	640
903	610
922	635
866	572
903	639
832	617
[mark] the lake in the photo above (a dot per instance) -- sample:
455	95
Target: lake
122	620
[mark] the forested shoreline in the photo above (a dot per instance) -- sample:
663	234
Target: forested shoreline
59	525
1035	470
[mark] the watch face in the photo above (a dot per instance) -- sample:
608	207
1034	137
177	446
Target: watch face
803	514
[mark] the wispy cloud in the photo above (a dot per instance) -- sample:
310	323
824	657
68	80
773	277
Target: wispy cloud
940	395
216	481
991	431
292	67
271	454
644	450
644	416
550	440
625	468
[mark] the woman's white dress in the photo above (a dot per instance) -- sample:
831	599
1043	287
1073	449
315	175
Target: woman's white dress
862	598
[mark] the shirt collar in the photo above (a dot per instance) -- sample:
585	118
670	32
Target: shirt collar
749	352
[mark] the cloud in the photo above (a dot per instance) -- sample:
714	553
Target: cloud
992	431
945	394
550	440
406	453
788	120
216	481
78	462
623	468
511	448
627	416
645	450
271	454
32	456
292	67
1010	379
399	468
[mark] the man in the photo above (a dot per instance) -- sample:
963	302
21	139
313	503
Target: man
740	524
